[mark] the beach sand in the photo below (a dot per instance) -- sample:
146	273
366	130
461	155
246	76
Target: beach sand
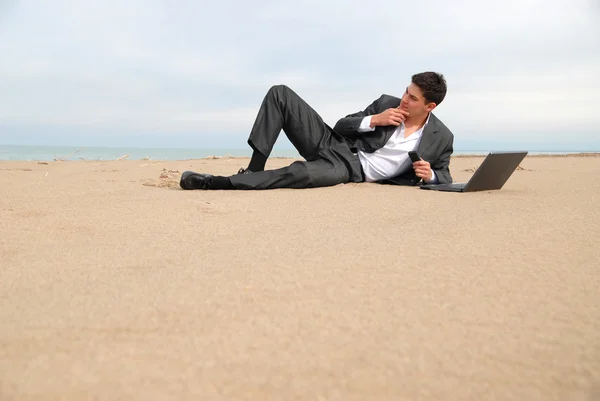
117	285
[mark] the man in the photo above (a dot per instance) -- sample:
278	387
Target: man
368	146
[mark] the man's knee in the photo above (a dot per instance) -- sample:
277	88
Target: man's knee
279	90
280	87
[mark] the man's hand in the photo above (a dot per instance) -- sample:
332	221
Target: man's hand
394	116
423	170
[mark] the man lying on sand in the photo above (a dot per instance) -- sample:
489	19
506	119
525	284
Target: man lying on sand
367	146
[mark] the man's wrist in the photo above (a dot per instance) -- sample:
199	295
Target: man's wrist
431	179
373	123
365	124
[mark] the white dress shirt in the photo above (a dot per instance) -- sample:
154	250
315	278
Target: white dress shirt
392	159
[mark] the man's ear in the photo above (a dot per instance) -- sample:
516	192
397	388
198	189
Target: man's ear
430	107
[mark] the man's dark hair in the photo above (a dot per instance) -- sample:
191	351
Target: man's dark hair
433	86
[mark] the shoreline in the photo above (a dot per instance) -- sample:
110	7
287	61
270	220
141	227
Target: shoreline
230	157
28	153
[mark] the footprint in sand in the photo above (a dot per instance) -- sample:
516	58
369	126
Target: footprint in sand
167	179
17	169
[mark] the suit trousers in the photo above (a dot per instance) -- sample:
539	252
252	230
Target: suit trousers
328	158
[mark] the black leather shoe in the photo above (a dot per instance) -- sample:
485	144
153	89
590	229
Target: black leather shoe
192	180
244	171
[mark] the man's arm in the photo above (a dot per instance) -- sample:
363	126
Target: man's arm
441	167
355	123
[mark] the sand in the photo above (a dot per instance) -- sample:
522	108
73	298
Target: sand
117	285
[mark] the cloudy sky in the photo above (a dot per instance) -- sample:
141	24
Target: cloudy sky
193	73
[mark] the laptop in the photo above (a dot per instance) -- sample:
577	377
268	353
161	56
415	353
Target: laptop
493	173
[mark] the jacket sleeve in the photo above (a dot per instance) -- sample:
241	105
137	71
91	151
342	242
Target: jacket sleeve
348	126
442	165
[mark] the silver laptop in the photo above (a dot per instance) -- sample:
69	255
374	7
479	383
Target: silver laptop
493	173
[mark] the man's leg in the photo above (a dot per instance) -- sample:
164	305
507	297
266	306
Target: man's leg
283	109
333	169
336	165
299	174
329	160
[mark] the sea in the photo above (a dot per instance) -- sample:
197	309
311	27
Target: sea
51	153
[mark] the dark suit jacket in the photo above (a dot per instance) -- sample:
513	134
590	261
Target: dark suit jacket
436	144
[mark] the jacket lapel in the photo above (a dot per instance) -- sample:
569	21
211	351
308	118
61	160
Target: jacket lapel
428	137
389	131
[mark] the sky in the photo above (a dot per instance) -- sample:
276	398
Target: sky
193	73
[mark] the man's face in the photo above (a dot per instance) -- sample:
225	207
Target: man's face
414	102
